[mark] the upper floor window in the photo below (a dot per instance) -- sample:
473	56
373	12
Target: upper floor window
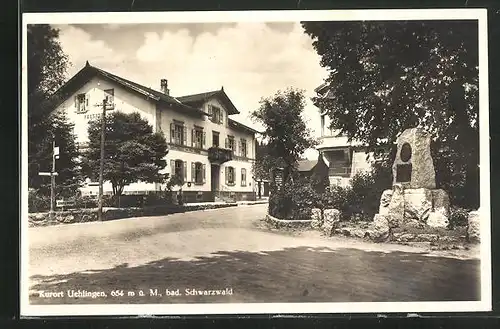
109	95
215	114
215	139
198	172
230	143
198	138
230	176
81	102
243	147
178	133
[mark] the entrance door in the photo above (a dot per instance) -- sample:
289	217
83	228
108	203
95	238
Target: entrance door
214	178
266	189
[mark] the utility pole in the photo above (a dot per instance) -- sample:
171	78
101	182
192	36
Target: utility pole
101	166
53	177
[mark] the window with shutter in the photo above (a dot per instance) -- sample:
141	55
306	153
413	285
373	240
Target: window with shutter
230	176
184	130
197	174
185	171
193	138
243	148
172	167
227	143
243	177
204	173
239	148
193	172
231	144
198	137
80	103
172	133
226	171
215	139
204	139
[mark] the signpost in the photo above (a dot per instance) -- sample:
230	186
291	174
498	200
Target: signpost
52	174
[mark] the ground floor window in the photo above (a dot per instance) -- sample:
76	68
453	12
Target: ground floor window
230	176
198	172
243	177
179	169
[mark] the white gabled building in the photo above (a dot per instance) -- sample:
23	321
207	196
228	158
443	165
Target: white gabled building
210	150
343	158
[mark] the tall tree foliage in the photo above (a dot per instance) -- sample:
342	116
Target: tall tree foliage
386	77
133	152
46	71
261	166
286	132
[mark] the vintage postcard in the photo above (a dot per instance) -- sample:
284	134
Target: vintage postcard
275	162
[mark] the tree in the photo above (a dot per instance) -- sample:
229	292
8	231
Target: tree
132	151
386	77
286	132
68	178
46	71
261	167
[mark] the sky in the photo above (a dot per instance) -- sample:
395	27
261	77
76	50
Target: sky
250	60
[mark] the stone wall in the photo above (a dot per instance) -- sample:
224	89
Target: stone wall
90	215
282	223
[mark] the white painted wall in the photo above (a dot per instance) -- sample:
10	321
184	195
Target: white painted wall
124	100
128	102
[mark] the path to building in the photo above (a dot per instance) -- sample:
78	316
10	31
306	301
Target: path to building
231	248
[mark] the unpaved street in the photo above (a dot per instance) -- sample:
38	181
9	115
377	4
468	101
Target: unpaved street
230	250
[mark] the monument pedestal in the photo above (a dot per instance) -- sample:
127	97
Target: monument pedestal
414	199
415	207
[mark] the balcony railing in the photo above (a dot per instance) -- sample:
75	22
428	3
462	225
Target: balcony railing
219	155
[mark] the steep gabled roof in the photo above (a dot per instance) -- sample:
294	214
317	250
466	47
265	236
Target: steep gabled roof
238	125
89	71
198	99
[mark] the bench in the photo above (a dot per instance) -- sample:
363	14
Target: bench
65	204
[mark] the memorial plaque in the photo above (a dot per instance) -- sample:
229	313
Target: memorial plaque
403	173
405	152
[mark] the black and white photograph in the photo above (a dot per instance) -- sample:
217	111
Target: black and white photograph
282	162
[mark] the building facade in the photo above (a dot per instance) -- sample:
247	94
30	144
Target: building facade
207	148
344	158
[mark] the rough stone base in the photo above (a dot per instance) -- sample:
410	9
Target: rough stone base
416	207
331	218
473	227
317	219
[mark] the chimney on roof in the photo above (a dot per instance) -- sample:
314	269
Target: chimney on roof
164	87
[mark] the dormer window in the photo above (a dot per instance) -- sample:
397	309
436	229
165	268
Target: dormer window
81	103
215	114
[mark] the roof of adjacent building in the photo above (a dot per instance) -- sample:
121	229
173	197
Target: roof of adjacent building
189	103
306	165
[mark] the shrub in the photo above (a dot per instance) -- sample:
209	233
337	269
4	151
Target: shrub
38	202
459	217
294	200
85	202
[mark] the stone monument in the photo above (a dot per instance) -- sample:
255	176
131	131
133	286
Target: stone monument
414	199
